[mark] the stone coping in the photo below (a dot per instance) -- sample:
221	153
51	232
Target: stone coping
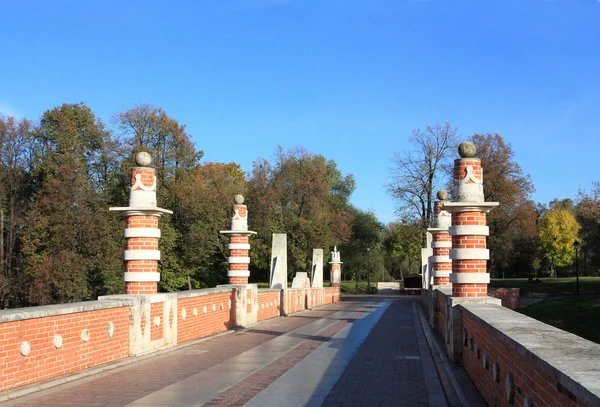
269	290
445	289
567	358
206	291
20	314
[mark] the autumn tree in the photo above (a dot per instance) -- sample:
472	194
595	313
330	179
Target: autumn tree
151	129
513	230
303	195
204	197
72	246
418	172
588	215
14	201
557	233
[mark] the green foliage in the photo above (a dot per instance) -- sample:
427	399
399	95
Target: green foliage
558	232
513	230
300	194
402	244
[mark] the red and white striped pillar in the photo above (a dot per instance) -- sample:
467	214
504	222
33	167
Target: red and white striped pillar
336	268
469	253
441	243
238	271
142	255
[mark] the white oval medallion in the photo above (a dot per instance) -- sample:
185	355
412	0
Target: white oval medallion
57	341
25	348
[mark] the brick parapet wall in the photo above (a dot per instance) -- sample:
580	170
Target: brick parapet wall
81	329
203	313
510	297
268	304
548	366
190	314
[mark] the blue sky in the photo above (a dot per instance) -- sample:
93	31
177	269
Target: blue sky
346	79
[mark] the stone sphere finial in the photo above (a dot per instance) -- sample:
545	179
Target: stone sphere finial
143	159
239	199
442	195
467	149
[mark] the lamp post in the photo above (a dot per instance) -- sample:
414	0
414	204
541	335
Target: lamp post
356	290
368	270
576	246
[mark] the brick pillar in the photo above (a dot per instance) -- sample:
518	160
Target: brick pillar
441	243
336	268
238	271
142	255
469	252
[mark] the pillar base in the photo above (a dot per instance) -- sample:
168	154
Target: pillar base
237	280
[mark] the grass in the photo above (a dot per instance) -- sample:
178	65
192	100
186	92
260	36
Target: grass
578	315
349	287
550	287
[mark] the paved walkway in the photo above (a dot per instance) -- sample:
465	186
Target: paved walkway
359	352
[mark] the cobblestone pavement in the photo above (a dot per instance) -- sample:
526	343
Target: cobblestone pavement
360	352
387	370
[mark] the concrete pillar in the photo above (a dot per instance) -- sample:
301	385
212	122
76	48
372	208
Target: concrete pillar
469	253
441	243
317	268
336	268
238	271
142	255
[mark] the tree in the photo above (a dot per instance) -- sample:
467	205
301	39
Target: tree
366	234
513	230
588	215
303	195
402	242
204	197
72	246
174	156
417	172
558	232
14	201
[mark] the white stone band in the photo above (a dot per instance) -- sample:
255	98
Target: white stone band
469	230
470	278
440	273
140	277
470	254
440	245
238	246
238	260
238	273
440	259
142	199
141	255
142	232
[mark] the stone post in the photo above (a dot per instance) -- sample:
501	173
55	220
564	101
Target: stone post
239	247
469	252
441	243
336	268
142	255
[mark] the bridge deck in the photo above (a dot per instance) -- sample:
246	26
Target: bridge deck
360	352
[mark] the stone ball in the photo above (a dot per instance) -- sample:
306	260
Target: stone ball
143	159
239	199
442	195
467	149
